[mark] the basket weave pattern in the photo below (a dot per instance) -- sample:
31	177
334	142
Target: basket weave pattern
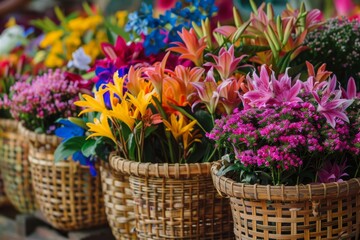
176	201
319	211
119	205
68	196
15	167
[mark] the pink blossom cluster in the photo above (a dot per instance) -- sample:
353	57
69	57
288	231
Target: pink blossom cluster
289	125
284	137
43	100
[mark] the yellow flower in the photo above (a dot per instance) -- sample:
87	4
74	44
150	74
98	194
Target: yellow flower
124	113
118	86
121	18
93	104
51	37
142	101
53	60
10	23
72	42
178	125
92	49
101	128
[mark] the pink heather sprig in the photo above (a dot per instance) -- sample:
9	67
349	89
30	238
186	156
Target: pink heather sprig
40	102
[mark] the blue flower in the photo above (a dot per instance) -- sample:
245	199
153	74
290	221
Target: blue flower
105	74
154	42
167	19
68	130
85	161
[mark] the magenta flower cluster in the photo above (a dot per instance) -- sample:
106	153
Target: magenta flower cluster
43	100
289	127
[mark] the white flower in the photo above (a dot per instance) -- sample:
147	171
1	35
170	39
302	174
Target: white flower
80	60
10	38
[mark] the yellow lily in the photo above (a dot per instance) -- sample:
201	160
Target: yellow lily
93	104
178	125
101	128
118	86
142	101
124	113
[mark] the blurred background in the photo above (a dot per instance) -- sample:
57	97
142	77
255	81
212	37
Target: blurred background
25	10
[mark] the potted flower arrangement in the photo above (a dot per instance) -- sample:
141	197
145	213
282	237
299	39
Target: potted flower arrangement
290	162
66	192
146	116
16	65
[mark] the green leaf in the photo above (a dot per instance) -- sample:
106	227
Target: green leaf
149	130
131	146
159	108
68	148
115	31
88	148
205	120
79	122
240	31
88	75
87	9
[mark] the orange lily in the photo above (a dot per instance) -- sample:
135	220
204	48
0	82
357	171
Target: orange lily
192	48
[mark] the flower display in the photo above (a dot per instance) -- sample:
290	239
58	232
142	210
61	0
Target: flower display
288	133
61	40
38	103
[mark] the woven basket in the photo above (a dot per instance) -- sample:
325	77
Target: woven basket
313	211
176	201
15	167
68	196
119	205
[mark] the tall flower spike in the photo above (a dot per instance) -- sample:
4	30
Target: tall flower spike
225	63
192	48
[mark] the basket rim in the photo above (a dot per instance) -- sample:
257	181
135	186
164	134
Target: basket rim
37	138
8	124
159	170
308	192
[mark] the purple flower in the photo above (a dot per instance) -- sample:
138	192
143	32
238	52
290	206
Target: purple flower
332	172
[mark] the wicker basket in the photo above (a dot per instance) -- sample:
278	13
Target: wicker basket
316	211
68	196
15	167
119	205
176	201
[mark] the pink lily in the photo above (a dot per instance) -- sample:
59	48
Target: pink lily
156	74
351	89
229	93
332	108
225	62
262	91
207	92
272	91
